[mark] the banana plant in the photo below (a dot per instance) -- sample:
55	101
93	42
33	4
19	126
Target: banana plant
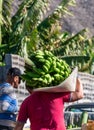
27	18
77	50
5	26
28	30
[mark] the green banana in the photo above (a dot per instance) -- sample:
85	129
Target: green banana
42	60
57	70
47	64
39	57
57	76
58	65
48	77
39	52
48	70
45	68
50	60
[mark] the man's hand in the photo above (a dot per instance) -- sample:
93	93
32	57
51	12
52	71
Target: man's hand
19	126
78	94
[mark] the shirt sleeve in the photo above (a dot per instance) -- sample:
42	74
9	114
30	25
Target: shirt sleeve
67	97
23	114
8	104
6	90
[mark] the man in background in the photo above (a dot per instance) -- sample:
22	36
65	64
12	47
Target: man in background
8	103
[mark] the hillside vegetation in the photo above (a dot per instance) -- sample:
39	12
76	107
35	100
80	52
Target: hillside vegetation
82	17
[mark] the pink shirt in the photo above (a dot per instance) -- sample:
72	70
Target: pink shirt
44	110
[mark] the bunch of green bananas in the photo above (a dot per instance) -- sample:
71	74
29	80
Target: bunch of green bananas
48	70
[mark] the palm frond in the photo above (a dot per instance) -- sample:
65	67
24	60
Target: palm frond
71	43
25	21
31	12
7	8
83	62
50	28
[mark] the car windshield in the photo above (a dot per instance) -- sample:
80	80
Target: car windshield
72	113
82	109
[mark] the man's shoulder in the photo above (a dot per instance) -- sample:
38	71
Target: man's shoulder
6	88
5	84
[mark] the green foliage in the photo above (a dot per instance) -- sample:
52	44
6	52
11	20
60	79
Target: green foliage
31	29
77	50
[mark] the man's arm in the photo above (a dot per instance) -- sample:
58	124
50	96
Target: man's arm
78	94
19	126
6	90
8	104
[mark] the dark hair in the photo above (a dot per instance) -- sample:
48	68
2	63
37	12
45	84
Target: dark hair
14	72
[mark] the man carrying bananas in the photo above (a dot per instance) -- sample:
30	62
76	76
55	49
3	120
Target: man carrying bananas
45	109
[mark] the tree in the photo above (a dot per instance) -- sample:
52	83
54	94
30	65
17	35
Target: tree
28	30
5	25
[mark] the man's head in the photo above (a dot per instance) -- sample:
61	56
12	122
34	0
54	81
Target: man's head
14	76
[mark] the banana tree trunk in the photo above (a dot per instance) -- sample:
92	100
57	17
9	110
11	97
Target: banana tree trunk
1	3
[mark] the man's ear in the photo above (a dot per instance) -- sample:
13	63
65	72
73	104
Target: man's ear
15	78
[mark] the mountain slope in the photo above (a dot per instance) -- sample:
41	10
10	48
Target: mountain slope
82	15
